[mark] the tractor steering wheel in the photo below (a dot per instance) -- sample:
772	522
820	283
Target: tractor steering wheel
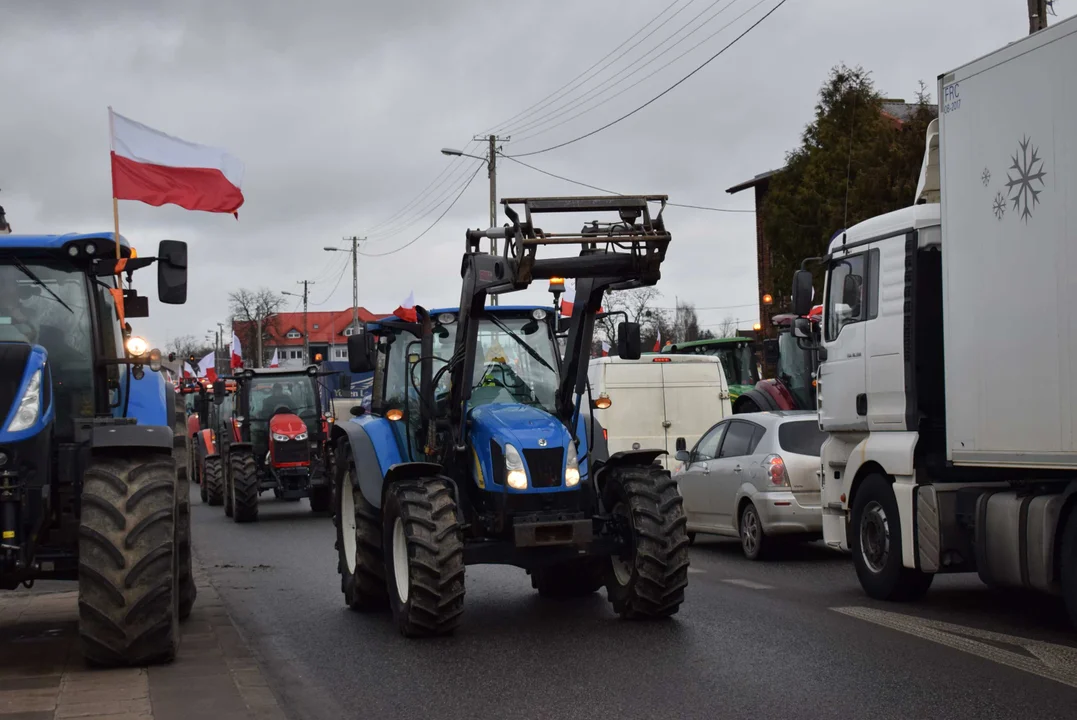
281	409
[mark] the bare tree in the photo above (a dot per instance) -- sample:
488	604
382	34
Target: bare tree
640	306
187	346
728	327
254	318
686	323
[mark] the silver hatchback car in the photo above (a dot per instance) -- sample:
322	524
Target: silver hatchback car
754	476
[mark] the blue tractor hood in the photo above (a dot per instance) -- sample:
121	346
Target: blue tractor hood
522	425
533	432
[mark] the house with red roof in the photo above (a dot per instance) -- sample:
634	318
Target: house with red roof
287	333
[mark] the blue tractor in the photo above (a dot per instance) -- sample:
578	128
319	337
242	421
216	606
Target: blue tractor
90	489
480	445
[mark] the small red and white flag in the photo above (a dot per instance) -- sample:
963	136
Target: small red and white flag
187	371
406	311
206	367
567	300
158	169
237	351
605	349
275	362
658	341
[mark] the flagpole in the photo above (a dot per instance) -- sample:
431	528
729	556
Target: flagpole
112	172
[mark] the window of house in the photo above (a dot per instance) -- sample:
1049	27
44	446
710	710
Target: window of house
340	353
315	326
347	332
294	334
852	292
295	354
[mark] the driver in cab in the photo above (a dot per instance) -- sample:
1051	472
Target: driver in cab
276	399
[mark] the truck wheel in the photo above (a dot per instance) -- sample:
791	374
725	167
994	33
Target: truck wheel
129	561
187	590
213	482
245	490
575	579
1069	566
424	557
321	499
648	579
875	541
360	561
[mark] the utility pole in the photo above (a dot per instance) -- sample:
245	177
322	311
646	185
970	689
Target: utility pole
1037	15
217	350
306	332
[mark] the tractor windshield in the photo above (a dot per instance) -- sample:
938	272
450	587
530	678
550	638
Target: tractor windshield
293	393
45	302
738	364
515	361
795	369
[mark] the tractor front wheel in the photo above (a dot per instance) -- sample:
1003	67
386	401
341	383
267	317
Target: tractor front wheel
187	590
648	578
245	490
213	482
575	579
424	557
360	561
129	560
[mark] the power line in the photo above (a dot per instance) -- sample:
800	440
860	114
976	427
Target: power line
661	94
500	128
343	267
431	226
614	192
606	84
434	204
583	110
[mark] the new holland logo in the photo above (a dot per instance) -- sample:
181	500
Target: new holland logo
542	442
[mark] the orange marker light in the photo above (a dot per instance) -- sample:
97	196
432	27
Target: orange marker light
767	299
394	415
603	402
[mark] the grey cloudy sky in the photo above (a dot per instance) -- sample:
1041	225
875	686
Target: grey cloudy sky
339	108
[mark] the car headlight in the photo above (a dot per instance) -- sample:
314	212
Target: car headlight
515	475
572	467
301	436
29	407
280	438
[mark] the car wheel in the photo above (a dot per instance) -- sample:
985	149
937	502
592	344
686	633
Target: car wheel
753	541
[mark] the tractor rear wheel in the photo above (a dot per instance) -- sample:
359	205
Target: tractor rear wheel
360	561
649	578
578	578
213	482
187	590
245	490
424	557
321	498
129	560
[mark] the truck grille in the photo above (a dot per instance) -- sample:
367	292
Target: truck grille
13	358
291	451
545	466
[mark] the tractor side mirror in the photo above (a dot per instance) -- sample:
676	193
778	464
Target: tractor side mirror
802	327
629	344
361	353
682	444
172	272
136	306
219	391
802	292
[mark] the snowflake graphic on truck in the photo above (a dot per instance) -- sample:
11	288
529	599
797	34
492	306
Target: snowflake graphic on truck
999	205
1029	168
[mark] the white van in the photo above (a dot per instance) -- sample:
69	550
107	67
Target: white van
657	399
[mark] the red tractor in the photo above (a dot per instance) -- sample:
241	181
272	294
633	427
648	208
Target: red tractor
794	386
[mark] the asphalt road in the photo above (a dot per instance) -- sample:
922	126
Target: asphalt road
790	638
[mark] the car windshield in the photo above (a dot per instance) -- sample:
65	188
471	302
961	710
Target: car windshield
45	302
515	361
293	392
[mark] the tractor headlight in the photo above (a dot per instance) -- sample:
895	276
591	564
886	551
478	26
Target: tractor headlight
515	474
301	436
137	346
29	408
277	437
572	467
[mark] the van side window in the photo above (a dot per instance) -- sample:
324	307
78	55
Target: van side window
852	292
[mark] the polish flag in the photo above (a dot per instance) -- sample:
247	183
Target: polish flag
237	351
406	311
605	349
206	367
158	169
187	371
275	362
658	341
567	301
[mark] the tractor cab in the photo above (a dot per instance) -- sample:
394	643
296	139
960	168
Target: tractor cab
738	361
794	388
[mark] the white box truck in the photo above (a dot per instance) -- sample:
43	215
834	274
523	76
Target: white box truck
948	348
658	399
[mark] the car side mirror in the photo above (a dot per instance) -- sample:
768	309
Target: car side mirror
802	327
629	344
682	456
802	292
361	353
172	272
682	444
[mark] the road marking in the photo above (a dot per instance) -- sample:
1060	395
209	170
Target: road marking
695	570
750	584
1048	660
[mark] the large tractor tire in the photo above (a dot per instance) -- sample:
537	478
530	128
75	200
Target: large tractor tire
213	481
187	590
321	499
575	579
648	580
129	560
360	561
244	479
424	557
226	470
